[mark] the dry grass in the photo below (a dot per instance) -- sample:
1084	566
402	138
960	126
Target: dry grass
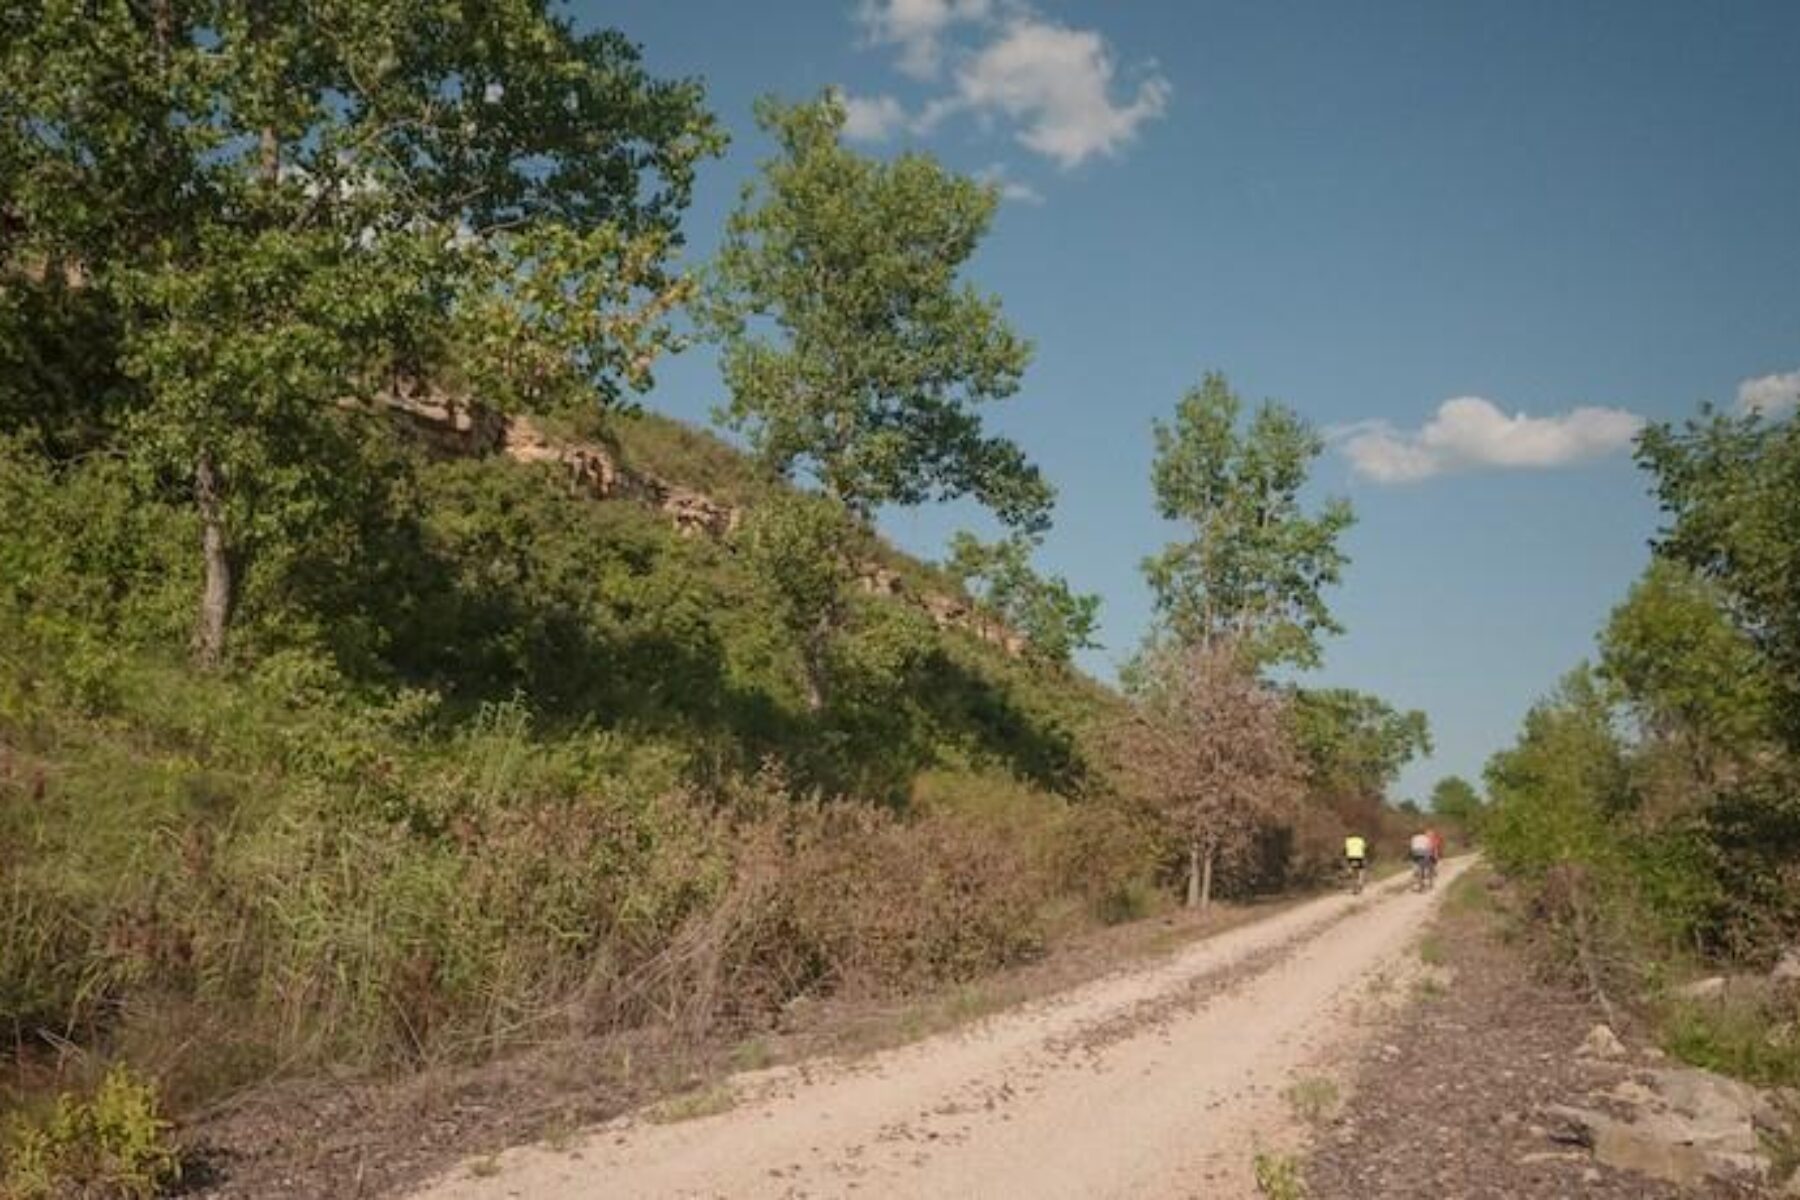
1313	1099
705	1102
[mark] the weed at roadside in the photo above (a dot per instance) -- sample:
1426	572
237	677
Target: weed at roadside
707	1102
752	1055
1429	987
560	1132
1754	1039
1278	1176
1470	893
113	1143
1313	1099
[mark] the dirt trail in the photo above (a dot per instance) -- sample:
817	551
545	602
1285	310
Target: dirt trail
1160	1081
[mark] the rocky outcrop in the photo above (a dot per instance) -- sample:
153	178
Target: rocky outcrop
946	611
595	473
449	425
1684	1125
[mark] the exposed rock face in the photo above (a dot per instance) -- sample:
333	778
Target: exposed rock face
1683	1125
1710	988
453	426
1787	968
1602	1042
446	424
596	474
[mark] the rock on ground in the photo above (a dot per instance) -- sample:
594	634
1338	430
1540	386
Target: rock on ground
1472	1101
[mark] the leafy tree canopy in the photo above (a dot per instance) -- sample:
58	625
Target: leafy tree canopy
1730	487
1254	564
1355	743
852	348
1055	618
285	207
1684	668
1456	798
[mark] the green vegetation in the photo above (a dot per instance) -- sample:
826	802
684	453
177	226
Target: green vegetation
1470	893
1278	1176
1650	802
691	1106
882	358
1314	1099
112	1143
1055	620
1255	566
1455	799
1750	1037
264	215
324	749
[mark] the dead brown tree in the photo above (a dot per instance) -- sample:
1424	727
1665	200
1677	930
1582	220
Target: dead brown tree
1208	745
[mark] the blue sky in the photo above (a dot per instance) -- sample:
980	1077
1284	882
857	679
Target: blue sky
1567	216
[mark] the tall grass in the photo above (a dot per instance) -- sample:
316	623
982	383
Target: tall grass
220	886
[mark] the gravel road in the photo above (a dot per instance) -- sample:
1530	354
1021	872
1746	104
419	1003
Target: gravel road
1159	1081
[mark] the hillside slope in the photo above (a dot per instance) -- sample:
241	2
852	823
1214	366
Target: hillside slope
491	759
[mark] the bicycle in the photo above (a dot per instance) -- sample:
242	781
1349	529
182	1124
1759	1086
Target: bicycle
1358	871
1421	874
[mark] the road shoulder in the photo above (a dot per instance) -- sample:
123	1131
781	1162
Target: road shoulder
1454	1096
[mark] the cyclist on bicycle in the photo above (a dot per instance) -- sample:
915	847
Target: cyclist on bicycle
1356	858
1419	849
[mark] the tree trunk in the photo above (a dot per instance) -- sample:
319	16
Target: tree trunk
1206	879
1193	878
813	669
815	687
216	597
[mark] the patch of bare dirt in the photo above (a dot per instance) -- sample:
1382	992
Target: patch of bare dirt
1454	1097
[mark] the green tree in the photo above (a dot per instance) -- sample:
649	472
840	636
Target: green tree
1355	744
1456	798
1254	565
851	349
1055	619
797	547
1553	794
293	207
1691	676
1730	487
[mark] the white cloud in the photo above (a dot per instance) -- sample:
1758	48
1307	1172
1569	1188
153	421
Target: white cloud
1010	188
1057	83
1054	85
1023	193
872	118
1770	395
1469	433
917	27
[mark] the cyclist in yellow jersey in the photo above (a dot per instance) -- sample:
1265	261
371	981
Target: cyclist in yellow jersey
1356	857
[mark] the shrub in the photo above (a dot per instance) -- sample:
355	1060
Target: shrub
1754	1037
112	1143
1107	857
1278	1176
